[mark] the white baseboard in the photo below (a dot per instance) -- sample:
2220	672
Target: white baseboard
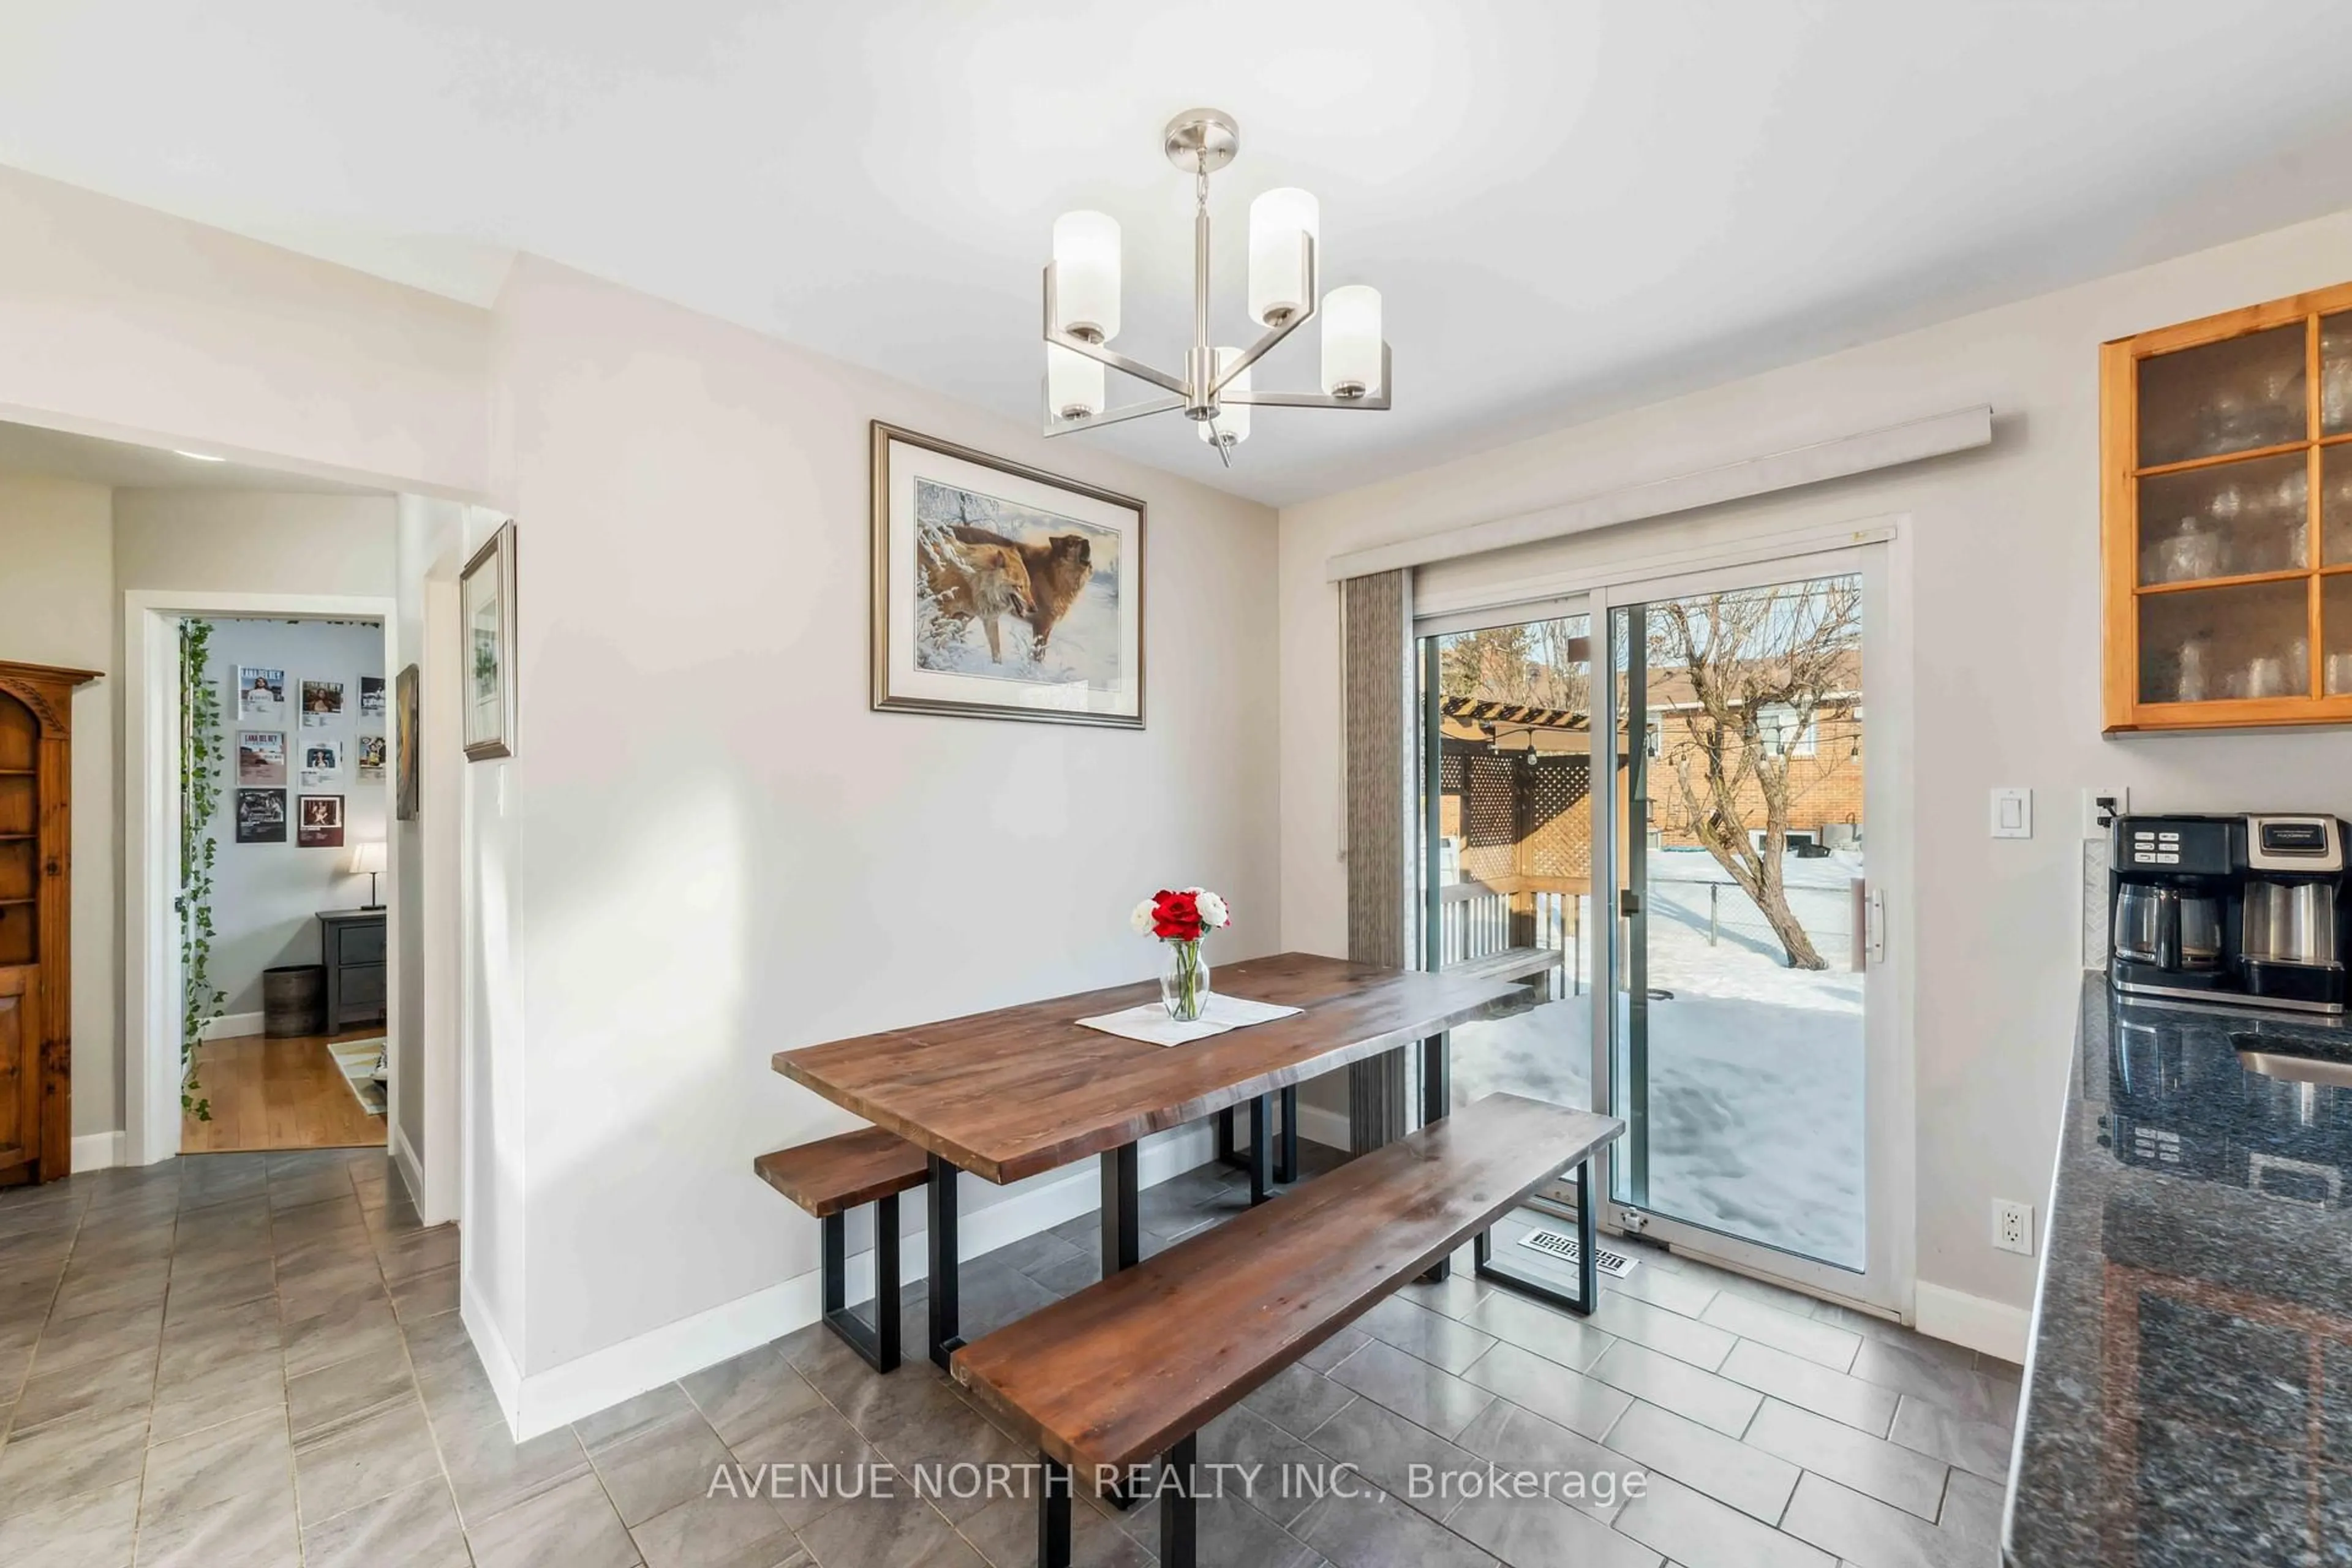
1328	1128
1957	1318
412	1172
232	1026
547	1400
498	1361
96	1150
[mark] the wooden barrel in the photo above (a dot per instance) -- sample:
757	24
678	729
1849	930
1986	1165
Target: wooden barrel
294	1000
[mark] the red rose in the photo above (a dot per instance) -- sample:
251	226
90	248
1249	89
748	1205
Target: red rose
1175	917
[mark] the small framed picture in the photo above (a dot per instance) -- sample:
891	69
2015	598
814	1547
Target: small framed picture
322	761
370	696
261	817
1001	591
404	731
260	694
261	760
322	703
486	593
318	821
369	751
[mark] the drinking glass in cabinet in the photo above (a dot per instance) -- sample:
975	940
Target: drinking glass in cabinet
2229	396
2232	644
2335	623
2336	373
2230	519
2335	505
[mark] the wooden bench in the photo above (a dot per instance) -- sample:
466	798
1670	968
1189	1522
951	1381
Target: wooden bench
1134	1366
830	1177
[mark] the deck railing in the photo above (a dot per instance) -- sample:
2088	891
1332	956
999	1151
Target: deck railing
1479	918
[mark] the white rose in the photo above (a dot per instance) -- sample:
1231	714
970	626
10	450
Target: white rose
1141	919
1212	910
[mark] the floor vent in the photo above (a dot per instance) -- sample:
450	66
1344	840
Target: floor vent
1553	1244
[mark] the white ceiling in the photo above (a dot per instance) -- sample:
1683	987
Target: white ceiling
1568	204
30	449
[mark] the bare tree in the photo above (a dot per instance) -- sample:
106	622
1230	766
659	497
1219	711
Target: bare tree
1543	663
1761	667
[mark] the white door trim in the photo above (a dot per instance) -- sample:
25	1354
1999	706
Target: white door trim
1880	549
151	981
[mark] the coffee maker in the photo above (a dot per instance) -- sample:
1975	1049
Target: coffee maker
2243	912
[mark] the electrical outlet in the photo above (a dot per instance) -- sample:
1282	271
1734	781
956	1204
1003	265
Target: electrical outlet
2012	1226
2102	801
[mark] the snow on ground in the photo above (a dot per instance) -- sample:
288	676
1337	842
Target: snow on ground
1755	1069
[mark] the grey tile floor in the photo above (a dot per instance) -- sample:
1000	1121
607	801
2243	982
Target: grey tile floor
254	1360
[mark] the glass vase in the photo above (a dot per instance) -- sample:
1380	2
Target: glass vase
1185	982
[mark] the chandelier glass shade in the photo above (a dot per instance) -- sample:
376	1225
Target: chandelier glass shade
1214	388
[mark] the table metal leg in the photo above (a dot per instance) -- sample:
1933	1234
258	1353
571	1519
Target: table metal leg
1285	1153
1053	1513
1123	1237
1588	1257
1179	1510
1122	1234
1261	1151
947	1313
1436	1102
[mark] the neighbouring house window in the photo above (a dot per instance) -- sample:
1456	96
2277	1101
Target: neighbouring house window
1777	727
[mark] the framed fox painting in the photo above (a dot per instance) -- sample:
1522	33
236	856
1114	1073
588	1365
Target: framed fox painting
1001	592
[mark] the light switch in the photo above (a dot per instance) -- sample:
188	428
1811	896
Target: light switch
2012	814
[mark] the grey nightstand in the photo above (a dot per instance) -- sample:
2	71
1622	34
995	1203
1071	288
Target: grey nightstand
351	944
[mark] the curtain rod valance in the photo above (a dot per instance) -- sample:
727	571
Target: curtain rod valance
1934	436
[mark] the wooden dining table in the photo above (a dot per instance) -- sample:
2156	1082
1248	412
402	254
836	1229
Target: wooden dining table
1012	1092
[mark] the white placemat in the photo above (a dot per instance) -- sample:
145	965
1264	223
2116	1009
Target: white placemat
1151	1023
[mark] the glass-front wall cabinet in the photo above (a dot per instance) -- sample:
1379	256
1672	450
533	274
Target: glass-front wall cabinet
2227	472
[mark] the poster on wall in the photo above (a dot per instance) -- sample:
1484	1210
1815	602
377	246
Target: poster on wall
321	821
371	758
260	695
322	761
261	758
370	696
322	703
261	817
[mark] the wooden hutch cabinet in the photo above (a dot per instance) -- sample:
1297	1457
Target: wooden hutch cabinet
2226	480
35	904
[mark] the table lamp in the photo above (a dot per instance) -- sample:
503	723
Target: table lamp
367	855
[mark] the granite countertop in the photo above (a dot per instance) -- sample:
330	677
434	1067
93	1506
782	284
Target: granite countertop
2189	1396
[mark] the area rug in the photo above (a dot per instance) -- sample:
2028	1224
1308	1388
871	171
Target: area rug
360	1061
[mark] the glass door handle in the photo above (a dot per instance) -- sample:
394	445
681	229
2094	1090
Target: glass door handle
1873	914
1628	902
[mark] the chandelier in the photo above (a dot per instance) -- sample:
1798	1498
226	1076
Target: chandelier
1213	389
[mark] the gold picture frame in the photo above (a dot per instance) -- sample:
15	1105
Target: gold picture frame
486	602
1002	591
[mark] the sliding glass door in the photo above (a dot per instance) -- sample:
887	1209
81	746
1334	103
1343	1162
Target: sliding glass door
1747	1002
1700	842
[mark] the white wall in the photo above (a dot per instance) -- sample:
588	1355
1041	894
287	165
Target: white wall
2005	621
267	897
723	852
56	607
124	321
254	541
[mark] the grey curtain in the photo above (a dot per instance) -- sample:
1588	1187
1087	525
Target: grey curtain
1376	616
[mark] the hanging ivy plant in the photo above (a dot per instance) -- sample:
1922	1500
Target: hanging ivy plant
200	749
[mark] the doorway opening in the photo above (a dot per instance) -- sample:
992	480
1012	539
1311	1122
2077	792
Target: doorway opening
283	915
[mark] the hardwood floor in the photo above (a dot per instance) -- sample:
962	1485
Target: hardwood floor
277	1094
